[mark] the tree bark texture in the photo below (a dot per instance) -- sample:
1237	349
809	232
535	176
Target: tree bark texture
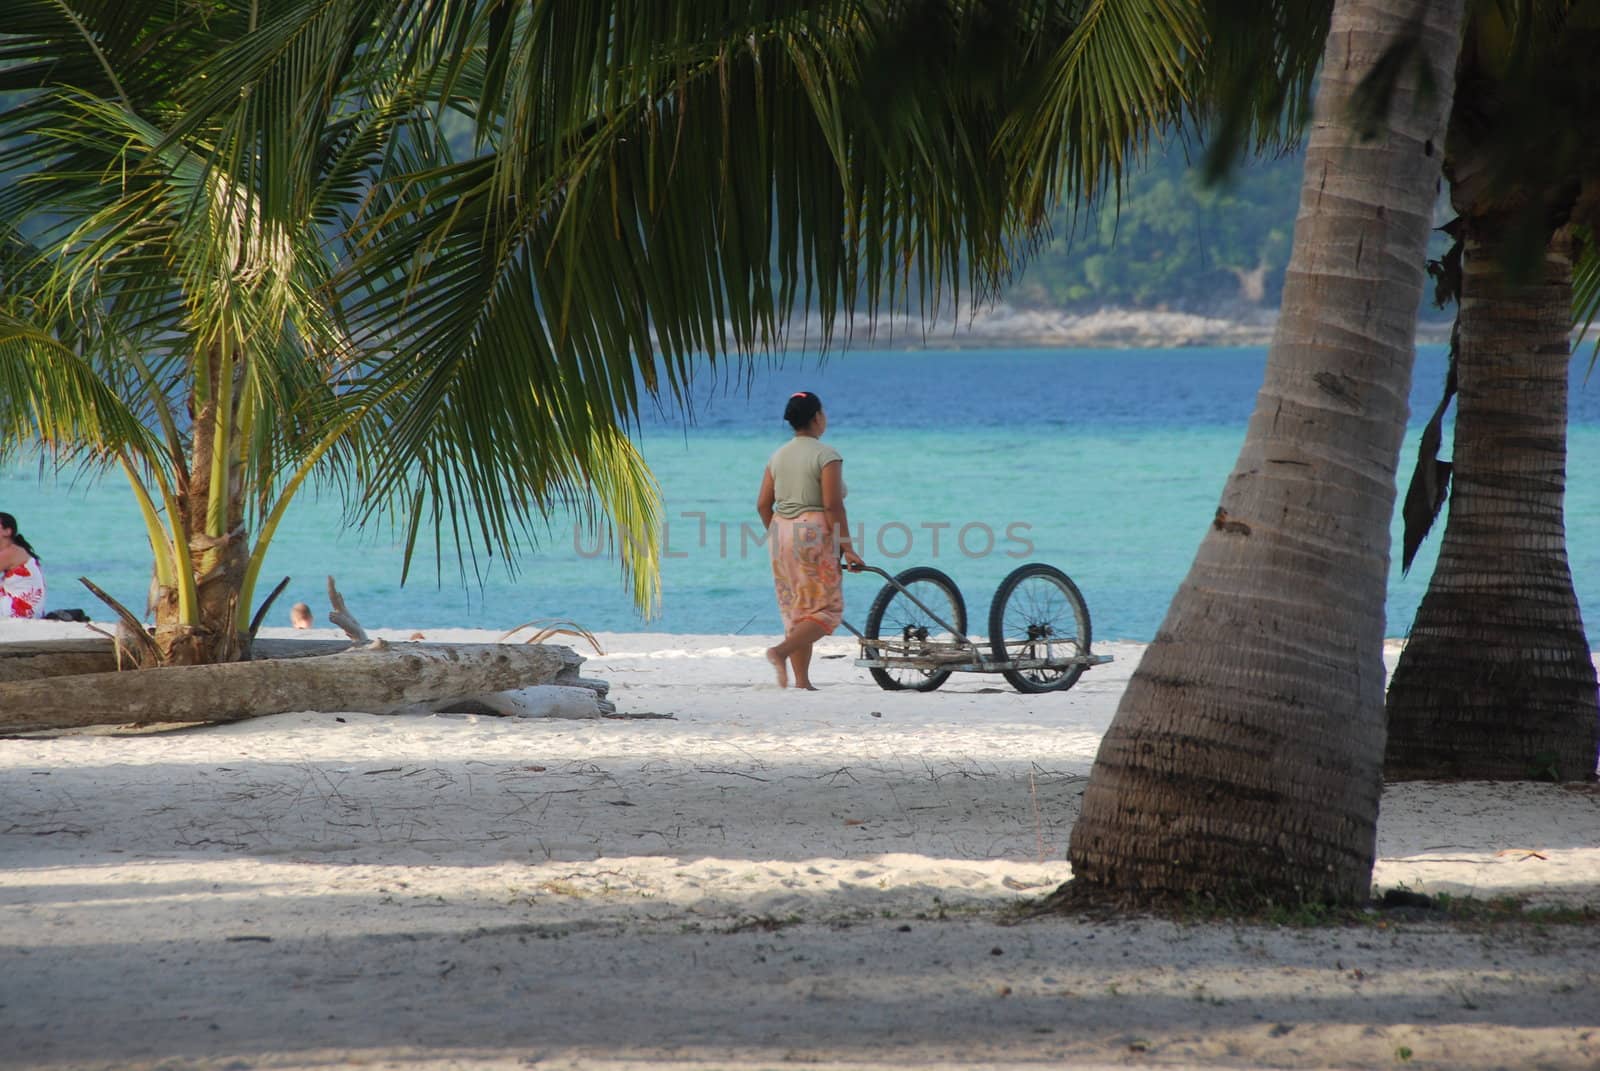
366	679
217	638
1496	681
1245	758
60	659
30	660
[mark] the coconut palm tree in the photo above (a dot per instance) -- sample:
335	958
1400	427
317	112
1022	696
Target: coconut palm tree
1245	757
1233	768
1496	680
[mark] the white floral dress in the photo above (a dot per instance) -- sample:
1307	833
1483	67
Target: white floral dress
22	590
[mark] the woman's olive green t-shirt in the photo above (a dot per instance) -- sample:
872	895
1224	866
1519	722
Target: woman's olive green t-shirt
796	469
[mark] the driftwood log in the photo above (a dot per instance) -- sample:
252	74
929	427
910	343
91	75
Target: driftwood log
26	660
55	658
372	679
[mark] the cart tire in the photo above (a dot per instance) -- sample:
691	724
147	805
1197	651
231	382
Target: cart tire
901	611
1038	600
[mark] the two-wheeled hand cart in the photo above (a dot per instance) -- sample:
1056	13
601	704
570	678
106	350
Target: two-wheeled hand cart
916	634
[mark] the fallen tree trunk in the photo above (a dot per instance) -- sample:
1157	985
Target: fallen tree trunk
57	658
371	679
24	660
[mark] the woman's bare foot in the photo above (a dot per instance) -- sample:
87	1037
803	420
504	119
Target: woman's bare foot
778	667
808	686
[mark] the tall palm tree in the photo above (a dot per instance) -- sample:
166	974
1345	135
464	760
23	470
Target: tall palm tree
1497	680
1245	756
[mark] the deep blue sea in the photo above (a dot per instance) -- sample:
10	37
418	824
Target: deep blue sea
1106	463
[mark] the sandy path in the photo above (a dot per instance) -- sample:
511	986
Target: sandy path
765	878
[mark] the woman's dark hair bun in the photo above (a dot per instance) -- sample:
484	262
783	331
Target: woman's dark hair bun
802	409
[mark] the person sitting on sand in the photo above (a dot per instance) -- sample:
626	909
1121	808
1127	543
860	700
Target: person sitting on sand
300	615
801	504
21	575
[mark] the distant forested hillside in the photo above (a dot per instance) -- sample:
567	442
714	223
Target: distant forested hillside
1172	242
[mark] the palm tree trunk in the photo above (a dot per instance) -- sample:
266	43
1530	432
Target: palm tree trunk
1496	681
1245	757
220	558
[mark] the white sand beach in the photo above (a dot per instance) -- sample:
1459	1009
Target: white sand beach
762	878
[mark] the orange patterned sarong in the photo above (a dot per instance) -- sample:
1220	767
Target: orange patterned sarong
805	570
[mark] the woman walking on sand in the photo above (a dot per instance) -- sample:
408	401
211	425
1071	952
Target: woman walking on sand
801	504
21	575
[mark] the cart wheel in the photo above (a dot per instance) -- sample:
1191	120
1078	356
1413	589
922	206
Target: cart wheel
1037	609
893	615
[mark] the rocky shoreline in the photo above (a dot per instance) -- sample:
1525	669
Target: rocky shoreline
1112	328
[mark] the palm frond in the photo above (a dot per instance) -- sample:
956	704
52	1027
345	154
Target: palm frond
1121	76
479	234
52	397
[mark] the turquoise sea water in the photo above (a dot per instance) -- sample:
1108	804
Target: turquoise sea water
1107	464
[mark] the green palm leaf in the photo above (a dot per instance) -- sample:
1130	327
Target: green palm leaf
475	237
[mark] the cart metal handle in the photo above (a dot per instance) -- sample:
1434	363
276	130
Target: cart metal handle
957	633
